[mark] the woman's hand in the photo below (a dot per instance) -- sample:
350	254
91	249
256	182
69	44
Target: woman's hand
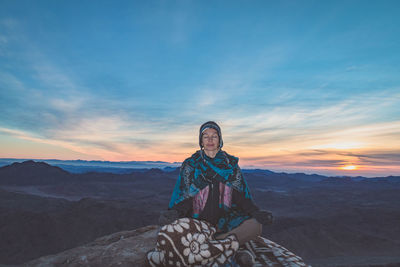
263	216
167	217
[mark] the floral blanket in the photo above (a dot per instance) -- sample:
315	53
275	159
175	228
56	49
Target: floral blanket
191	242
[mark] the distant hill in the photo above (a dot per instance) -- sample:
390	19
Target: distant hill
82	166
30	172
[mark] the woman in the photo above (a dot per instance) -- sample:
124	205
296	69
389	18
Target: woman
211	187
212	213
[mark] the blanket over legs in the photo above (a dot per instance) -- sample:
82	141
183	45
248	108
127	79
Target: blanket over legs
191	242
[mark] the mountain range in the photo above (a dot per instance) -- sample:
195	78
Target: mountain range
329	221
82	166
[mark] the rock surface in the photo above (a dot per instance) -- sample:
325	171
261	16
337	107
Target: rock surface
127	248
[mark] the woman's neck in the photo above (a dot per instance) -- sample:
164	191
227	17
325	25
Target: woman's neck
211	153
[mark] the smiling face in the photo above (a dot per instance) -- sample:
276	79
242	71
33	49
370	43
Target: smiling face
210	140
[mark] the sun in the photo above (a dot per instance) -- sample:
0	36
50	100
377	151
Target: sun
349	167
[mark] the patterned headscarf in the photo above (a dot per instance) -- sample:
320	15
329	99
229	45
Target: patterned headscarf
212	125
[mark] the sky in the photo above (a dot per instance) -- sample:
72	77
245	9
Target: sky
296	86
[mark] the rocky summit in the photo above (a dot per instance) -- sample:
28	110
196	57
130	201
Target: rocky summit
126	248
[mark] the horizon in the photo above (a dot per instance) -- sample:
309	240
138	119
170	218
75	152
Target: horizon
307	86
177	165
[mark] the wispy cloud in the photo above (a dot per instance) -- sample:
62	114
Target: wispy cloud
73	117
291	96
368	163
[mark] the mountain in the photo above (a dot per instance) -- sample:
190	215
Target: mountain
82	166
33	226
32	173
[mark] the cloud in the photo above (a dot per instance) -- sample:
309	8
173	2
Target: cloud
345	120
356	68
3	43
376	158
9	83
269	115
37	139
54	79
329	158
11	38
73	117
181	22
9	23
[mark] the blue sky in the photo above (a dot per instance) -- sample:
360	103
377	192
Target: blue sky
307	86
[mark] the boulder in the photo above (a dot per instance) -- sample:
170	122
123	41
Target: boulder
126	248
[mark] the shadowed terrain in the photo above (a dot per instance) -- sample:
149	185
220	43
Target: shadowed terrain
329	221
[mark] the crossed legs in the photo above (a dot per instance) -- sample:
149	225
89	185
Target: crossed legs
247	230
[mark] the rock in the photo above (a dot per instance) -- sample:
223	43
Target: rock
127	248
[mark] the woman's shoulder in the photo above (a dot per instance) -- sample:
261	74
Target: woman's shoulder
231	158
192	159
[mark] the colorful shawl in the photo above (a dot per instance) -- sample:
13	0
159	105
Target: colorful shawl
194	181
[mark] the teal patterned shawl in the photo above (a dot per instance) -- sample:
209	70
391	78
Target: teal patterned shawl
224	168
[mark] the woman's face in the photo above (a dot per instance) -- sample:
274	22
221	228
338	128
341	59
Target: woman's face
210	139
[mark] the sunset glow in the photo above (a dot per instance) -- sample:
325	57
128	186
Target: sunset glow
295	86
349	167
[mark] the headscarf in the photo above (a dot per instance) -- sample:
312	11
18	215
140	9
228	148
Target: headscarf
212	125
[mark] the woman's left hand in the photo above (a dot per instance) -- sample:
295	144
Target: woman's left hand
263	216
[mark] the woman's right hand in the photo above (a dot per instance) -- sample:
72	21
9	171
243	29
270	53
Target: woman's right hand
167	217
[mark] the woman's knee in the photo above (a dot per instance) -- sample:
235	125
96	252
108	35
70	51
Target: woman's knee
254	225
